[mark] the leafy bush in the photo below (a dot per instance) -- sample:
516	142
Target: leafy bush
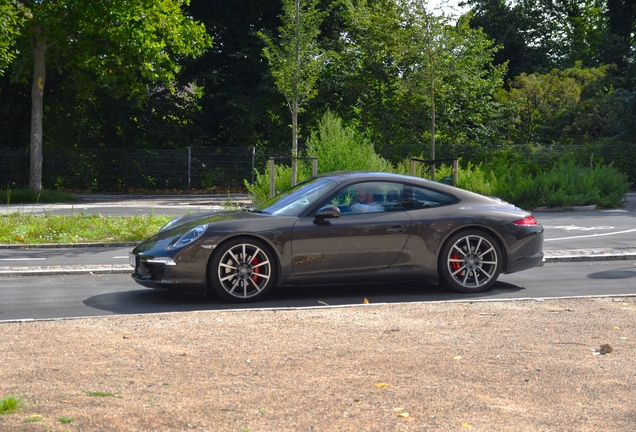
551	182
565	183
259	191
338	148
612	185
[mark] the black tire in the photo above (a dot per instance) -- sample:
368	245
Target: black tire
470	261
242	270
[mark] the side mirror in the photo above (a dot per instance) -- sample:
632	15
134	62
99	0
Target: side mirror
327	212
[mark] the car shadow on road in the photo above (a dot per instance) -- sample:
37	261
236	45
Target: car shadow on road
161	301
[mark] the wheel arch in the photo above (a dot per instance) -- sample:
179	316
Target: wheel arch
487	230
270	248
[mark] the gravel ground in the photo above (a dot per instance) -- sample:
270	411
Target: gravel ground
502	366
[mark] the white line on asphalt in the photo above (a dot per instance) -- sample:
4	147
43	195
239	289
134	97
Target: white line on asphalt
22	259
121	257
591	235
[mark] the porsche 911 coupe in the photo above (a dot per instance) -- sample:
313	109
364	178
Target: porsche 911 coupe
340	228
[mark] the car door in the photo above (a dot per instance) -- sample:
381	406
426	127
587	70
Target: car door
354	241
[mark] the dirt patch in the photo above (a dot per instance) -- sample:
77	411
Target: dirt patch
520	365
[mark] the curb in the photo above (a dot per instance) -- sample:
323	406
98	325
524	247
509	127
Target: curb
66	270
67	245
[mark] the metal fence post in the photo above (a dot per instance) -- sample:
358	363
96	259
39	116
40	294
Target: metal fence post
412	171
314	166
272	190
189	167
253	163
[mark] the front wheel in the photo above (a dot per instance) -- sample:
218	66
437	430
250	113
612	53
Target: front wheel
242	270
470	261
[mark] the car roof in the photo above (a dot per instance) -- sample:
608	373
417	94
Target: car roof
348	176
371	175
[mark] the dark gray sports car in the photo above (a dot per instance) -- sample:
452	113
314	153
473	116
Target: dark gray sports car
344	228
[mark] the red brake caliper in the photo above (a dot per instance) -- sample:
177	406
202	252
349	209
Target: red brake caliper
456	265
256	270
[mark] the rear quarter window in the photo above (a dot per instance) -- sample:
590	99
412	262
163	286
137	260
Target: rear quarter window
418	197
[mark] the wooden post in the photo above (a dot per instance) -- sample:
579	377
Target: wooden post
455	171
272	190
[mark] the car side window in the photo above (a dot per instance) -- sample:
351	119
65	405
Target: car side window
368	197
418	198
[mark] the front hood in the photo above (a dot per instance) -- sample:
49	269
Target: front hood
184	224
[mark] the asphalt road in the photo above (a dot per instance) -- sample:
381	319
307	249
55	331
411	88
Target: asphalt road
36	297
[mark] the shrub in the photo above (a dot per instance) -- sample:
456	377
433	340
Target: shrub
611	184
338	148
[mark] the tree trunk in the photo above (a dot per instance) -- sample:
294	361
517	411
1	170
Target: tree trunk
39	47
294	165
432	130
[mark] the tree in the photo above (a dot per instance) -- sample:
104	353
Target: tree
12	15
362	83
451	63
570	106
296	59
131	48
621	15
241	106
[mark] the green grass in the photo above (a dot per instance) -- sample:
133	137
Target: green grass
26	196
66	420
18	228
9	405
101	394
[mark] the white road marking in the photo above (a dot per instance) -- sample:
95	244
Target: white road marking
120	257
615	211
22	259
591	235
579	228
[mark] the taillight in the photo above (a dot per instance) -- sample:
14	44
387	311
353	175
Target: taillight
530	220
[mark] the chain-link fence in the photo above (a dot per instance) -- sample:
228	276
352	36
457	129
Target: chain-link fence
116	170
110	170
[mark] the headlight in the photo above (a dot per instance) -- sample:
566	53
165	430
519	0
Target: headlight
189	237
169	224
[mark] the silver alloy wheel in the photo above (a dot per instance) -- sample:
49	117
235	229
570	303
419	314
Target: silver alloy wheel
473	261
244	271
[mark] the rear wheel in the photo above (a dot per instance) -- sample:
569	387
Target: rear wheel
242	270
470	261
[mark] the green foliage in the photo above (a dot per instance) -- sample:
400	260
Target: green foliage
66	420
448	79
16	228
566	183
259	191
101	394
612	185
24	196
342	148
13	15
295	56
338	148
9	405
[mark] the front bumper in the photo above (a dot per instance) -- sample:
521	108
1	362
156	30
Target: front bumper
167	274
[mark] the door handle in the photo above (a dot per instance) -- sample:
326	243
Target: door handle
396	229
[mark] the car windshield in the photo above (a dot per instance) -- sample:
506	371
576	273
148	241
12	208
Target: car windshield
296	199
